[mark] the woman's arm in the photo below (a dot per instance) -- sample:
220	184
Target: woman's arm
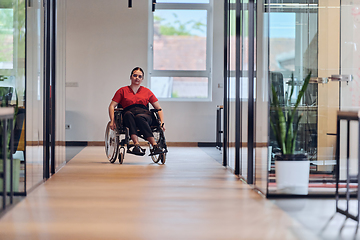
156	105
111	114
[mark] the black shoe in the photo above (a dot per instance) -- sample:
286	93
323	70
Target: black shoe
155	150
137	150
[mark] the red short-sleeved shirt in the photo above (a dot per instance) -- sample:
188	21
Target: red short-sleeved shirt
126	97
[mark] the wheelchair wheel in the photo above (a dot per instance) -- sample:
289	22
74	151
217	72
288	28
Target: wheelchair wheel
155	158
111	144
121	155
159	140
162	158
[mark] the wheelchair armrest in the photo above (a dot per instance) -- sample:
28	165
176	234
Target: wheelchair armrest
154	110
118	109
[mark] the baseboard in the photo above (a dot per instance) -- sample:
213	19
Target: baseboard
182	144
206	144
76	144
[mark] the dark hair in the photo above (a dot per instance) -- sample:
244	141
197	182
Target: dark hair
137	68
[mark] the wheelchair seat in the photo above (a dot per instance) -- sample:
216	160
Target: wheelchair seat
115	141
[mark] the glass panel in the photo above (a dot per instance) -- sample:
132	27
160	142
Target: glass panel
293	48
262	99
350	54
232	45
231	85
34	96
350	91
180	87
60	154
180	40
244	89
18	80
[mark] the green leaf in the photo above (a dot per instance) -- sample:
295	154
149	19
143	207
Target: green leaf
285	130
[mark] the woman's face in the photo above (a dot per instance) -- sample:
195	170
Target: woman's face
137	77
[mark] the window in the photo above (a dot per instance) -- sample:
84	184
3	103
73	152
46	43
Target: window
179	59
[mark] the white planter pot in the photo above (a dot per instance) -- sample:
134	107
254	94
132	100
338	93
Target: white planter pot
292	177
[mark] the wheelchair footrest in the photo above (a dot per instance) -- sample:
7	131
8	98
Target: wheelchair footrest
137	150
157	150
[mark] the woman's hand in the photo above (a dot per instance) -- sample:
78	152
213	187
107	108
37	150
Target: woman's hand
157	106
112	125
111	114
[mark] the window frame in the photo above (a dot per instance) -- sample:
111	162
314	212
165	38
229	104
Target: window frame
207	73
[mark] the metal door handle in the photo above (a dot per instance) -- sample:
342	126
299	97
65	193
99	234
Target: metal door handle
347	78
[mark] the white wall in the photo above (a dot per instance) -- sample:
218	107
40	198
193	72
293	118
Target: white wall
105	40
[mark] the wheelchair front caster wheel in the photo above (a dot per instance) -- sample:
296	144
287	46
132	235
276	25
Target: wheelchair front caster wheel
159	158
121	155
162	157
155	158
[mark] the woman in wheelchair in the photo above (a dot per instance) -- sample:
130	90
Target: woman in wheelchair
134	99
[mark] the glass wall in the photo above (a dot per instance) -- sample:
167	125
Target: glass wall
35	96
315	41
299	49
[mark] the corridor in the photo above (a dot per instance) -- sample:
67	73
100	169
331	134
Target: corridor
190	197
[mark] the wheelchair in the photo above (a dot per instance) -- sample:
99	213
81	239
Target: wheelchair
115	141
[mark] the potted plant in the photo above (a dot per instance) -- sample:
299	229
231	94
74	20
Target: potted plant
292	168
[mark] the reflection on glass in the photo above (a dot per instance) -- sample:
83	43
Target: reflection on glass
293	48
6	38
12	79
180	40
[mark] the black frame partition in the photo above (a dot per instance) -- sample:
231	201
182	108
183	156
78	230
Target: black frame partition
238	121
53	84
49	87
226	56
240	7
251	107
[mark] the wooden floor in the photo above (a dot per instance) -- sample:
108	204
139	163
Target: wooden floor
190	197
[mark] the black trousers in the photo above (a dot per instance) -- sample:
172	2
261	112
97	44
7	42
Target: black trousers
138	118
